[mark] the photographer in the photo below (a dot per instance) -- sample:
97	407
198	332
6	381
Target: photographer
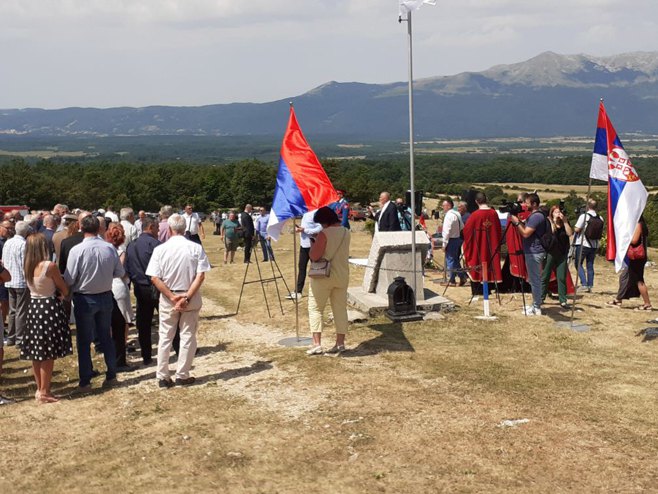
589	230
532	231
556	257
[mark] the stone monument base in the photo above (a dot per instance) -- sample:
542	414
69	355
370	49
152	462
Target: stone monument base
376	305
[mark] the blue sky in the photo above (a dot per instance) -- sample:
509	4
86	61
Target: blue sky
103	53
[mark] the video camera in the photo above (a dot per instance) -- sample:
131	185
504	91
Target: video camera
511	207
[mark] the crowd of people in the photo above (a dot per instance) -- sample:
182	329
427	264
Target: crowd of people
541	243
61	266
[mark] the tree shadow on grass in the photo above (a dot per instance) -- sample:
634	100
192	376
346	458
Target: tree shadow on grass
391	339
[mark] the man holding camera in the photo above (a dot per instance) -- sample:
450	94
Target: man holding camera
589	229
534	253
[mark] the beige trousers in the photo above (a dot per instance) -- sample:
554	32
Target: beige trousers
321	291
170	320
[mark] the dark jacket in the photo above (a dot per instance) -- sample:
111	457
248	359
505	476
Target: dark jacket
247	223
67	244
389	221
138	255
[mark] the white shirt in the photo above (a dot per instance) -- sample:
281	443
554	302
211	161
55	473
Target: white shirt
131	232
310	228
580	237
452	226
177	262
192	222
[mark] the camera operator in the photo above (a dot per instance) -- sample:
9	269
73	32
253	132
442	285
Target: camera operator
532	230
589	232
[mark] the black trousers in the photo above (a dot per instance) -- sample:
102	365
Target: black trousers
303	263
143	319
248	241
119	333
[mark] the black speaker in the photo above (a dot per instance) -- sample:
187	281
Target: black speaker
418	198
469	197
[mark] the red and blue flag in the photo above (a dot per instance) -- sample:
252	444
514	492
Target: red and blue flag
627	196
302	185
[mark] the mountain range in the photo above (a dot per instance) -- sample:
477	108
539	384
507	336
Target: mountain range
548	95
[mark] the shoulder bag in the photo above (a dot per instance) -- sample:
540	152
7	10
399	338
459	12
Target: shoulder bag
637	252
322	267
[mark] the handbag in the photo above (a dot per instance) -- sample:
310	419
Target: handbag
322	267
637	252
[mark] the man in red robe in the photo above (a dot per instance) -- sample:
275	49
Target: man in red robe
482	234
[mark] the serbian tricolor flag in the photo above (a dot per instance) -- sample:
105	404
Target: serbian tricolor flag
627	196
302	185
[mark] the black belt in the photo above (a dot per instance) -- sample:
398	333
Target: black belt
92	294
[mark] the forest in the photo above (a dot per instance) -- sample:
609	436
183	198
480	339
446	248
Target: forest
93	183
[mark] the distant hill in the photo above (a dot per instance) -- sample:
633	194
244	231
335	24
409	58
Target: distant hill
547	95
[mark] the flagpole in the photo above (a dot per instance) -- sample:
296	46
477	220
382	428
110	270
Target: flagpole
579	257
411	151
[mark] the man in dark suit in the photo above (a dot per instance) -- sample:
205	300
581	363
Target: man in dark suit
247	224
138	256
387	218
68	243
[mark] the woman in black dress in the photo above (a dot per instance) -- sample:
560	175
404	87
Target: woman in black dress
631	280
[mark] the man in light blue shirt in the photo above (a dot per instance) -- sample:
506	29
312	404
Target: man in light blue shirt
263	237
90	268
307	231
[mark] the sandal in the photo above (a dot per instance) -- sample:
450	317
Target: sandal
644	307
613	303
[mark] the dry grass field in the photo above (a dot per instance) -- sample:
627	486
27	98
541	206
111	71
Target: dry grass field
418	407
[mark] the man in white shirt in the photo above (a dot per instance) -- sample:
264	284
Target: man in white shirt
307	230
138	222
193	226
127	216
13	258
451	235
589	246
177	268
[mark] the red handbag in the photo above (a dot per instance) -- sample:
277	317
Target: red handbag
637	252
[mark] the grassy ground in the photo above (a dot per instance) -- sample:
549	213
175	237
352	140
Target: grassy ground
413	408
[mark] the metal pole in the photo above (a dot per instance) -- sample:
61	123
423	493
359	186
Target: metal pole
411	153
294	257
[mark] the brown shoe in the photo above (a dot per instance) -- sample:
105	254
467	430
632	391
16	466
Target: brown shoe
462	281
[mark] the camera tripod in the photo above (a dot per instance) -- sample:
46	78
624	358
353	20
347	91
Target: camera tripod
263	281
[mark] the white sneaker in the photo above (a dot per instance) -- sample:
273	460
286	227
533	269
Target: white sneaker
316	350
531	310
294	296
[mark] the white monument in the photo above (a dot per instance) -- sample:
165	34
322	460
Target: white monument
390	257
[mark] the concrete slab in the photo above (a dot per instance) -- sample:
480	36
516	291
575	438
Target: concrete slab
375	305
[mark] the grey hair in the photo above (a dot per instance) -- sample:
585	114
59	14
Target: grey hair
177	223
125	213
166	211
23	228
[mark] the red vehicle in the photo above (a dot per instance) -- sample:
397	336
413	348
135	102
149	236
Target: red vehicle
24	210
357	214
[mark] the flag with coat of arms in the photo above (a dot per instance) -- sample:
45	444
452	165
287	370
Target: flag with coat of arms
627	196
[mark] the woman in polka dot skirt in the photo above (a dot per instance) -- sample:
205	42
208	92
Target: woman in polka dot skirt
47	336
